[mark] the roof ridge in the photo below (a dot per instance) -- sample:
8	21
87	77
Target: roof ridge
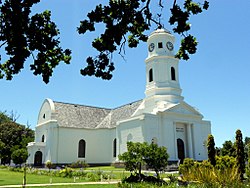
83	105
127	104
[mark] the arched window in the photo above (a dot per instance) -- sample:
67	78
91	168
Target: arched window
43	138
81	148
173	73
150	75
114	148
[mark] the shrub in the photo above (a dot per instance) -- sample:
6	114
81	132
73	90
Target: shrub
223	162
48	164
240	154
67	172
19	156
79	164
93	177
211	150
224	174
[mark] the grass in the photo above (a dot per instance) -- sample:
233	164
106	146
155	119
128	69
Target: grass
16	178
85	186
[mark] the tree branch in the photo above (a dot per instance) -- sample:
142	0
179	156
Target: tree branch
3	44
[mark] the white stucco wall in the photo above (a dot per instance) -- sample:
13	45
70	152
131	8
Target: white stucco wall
99	145
129	130
46	111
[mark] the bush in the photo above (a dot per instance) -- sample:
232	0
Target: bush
49	164
225	173
79	164
19	156
67	172
223	162
93	177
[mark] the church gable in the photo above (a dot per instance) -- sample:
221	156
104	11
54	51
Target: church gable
184	108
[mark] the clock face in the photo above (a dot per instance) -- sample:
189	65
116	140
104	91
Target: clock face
170	46
151	47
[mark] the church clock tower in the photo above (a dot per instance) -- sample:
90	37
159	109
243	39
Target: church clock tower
162	75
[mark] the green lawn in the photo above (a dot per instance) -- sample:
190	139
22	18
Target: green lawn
16	178
85	186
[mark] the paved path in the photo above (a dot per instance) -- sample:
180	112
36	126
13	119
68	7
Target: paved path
51	184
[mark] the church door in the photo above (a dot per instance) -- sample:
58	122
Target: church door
181	150
38	158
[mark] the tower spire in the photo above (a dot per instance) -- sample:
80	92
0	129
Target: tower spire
162	73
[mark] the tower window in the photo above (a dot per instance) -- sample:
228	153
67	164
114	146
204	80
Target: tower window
173	73
160	45
150	76
81	148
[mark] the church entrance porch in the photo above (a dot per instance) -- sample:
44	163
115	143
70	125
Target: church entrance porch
184	140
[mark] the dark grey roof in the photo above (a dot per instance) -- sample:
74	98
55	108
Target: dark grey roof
81	116
118	114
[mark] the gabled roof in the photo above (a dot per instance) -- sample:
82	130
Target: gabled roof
181	108
89	117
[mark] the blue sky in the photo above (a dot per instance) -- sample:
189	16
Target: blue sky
215	80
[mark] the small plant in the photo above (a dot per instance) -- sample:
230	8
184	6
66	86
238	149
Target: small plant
48	164
79	164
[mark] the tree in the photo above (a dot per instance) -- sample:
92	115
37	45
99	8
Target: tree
247	147
139	154
240	154
13	136
156	158
19	156
228	148
133	158
23	35
211	150
4	118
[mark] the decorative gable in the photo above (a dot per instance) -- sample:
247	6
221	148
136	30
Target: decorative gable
183	108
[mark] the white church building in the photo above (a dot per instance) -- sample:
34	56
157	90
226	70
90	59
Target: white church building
67	133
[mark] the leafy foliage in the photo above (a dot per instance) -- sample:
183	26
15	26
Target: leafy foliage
24	35
19	156
211	149
13	136
133	158
240	154
228	148
127	21
4	118
139	154
224	174
156	158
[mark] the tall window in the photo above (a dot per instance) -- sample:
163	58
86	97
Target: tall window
43	138
173	73
114	148
81	148
150	75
